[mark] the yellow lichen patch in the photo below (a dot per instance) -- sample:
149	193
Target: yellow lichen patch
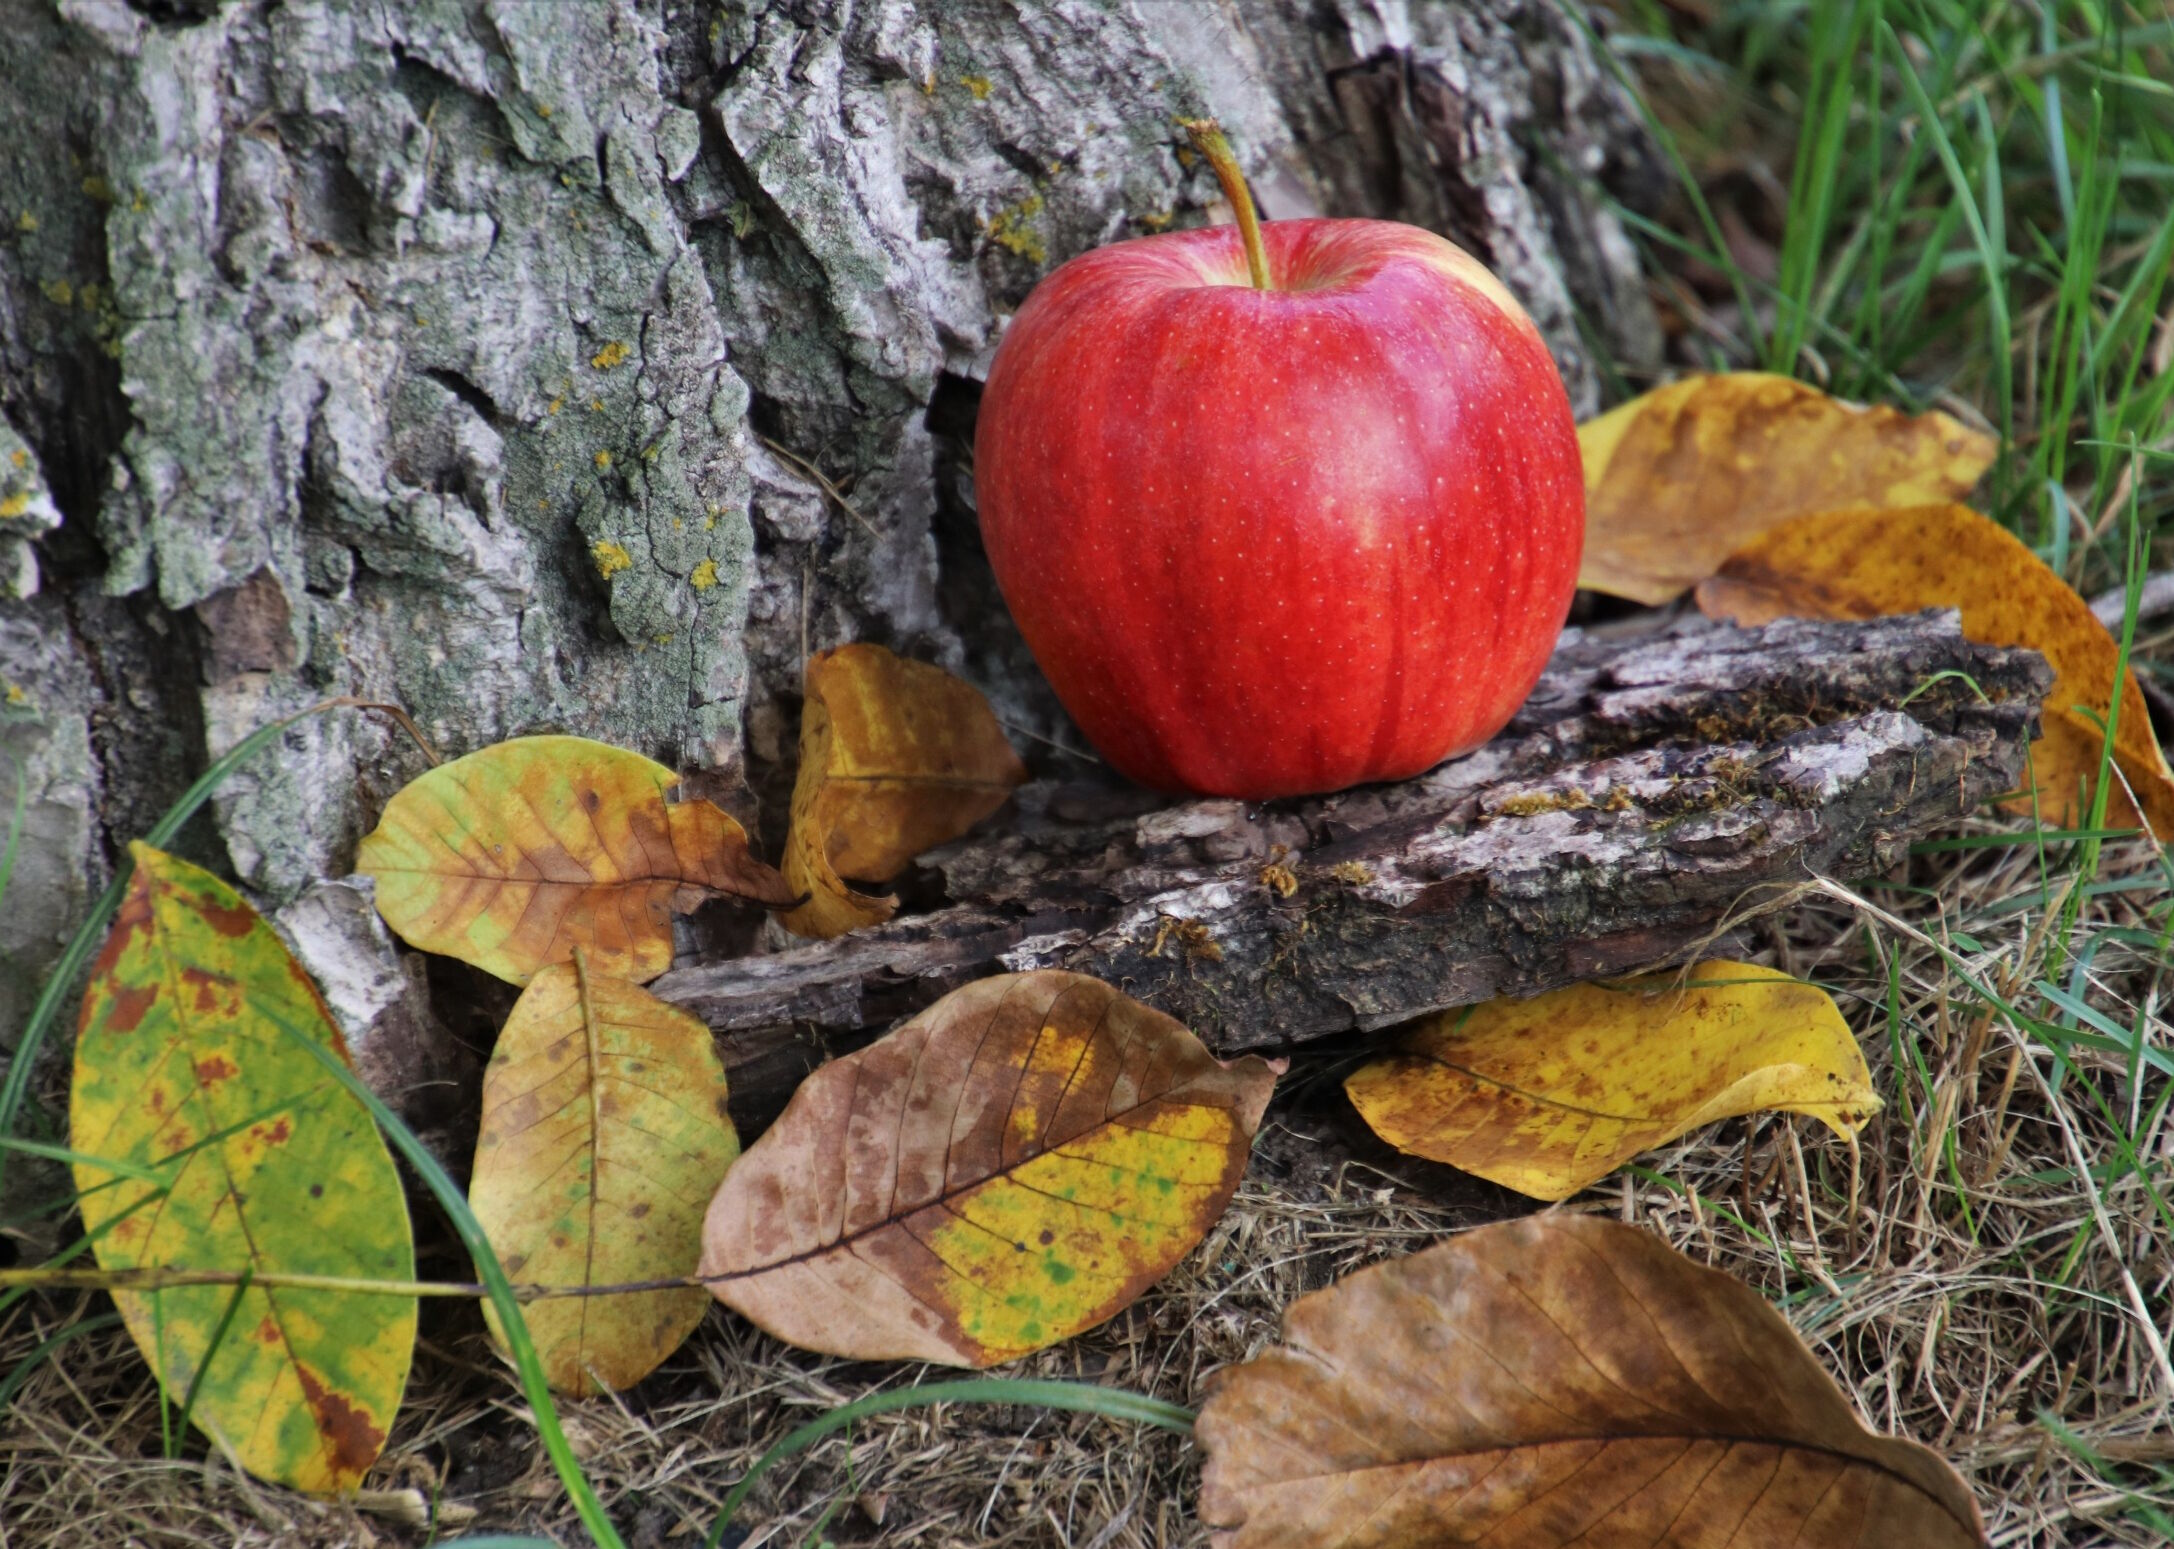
603	459
1009	230
609	356
59	292
1352	873
1548	1095
1526	803
1014	1165
15	504
610	558
979	85
704	576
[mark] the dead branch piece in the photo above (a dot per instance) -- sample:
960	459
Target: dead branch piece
1644	794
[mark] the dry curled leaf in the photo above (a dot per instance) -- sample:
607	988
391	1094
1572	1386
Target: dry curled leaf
1555	1381
1551	1094
1015	1164
604	1136
1678	479
515	855
896	757
189	1064
1862	562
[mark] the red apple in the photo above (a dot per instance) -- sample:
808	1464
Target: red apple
1281	538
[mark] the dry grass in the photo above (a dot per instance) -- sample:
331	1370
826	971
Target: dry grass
1955	1275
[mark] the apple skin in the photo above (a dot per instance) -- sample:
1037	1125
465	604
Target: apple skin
1279	542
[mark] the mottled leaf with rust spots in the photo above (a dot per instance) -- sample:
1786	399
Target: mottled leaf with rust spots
1556	1381
1861	563
184	1064
1015	1164
1678	478
604	1136
1550	1094
515	855
896	757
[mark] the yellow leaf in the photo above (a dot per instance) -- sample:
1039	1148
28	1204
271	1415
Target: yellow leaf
896	757
1678	479
515	855
1548	1095
1015	1164
1861	563
185	1065
1550	1382
604	1136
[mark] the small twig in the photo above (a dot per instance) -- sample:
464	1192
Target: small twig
2157	598
822	482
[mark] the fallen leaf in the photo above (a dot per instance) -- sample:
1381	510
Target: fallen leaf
1015	1164
183	1065
1553	1381
1677	480
896	757
1551	1094
604	1136
1861	563
515	855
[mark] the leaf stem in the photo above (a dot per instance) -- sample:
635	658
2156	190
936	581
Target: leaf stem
1208	139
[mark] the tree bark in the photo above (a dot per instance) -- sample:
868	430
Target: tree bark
1649	795
479	355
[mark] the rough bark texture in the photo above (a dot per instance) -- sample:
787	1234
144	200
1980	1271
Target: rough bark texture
1648	793
435	350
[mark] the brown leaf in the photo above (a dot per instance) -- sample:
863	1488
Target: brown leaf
1553	1381
1678	479
1861	563
1015	1164
520	852
896	757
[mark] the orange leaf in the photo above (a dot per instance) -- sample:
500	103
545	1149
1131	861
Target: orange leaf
1554	1381
515	855
1861	563
1015	1164
896	757
1678	479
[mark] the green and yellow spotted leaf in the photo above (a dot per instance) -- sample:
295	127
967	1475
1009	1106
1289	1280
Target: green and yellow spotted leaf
184	1065
1016	1164
515	855
604	1135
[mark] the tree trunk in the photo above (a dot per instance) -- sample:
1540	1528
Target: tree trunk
553	366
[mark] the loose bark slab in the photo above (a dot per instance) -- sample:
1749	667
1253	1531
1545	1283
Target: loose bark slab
1647	791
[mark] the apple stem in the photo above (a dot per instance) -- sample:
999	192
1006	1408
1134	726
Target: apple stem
1207	137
